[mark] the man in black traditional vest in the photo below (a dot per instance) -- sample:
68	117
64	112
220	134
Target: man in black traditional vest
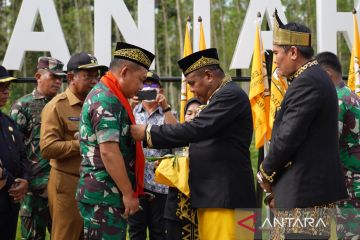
221	178
302	169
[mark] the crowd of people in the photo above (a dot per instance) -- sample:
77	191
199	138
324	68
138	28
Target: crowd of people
81	164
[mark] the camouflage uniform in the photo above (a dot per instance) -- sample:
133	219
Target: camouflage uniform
103	119
34	210
348	211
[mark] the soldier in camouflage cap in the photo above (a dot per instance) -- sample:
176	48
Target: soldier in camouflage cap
348	211
26	113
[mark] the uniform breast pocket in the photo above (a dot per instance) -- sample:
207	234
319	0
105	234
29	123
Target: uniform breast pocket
72	127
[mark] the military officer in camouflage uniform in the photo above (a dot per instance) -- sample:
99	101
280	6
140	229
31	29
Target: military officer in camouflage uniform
26	113
348	211
111	160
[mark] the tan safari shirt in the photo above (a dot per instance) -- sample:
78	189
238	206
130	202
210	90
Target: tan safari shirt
60	121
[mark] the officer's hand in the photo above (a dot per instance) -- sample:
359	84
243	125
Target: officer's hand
77	135
272	203
138	132
131	205
19	189
156	164
161	101
134	101
266	186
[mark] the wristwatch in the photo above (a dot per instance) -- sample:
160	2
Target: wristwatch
167	109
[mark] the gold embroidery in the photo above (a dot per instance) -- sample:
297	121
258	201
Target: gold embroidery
184	210
287	37
134	54
88	65
302	69
202	62
320	215
266	176
7	79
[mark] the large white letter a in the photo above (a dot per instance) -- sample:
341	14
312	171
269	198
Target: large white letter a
24	38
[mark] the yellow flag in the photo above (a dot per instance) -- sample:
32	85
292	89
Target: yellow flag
202	43
259	94
202	46
184	87
278	89
353	78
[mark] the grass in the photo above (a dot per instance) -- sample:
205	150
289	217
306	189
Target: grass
18	232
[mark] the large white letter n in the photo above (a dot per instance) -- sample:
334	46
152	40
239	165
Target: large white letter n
25	39
142	34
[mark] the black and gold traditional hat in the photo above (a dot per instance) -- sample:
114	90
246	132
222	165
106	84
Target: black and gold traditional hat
4	75
283	36
134	53
198	60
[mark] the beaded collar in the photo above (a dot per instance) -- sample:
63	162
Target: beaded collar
302	69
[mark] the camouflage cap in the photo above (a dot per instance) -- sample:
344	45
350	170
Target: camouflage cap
52	64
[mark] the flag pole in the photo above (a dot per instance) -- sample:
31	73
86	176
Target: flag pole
185	94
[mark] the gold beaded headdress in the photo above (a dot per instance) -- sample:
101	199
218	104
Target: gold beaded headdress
198	60
283	36
134	53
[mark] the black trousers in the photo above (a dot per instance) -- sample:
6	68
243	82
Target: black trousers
8	222
173	230
151	217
